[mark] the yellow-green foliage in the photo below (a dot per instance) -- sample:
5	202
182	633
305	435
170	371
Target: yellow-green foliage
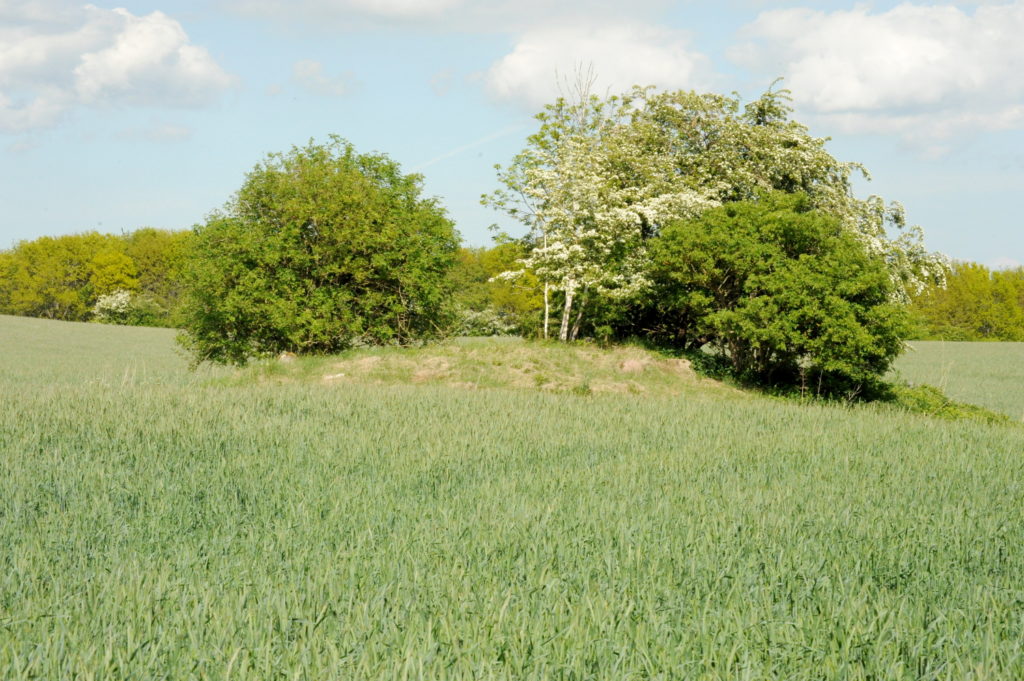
974	304
63	277
519	301
161	524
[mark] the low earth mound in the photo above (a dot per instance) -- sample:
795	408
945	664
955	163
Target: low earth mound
481	363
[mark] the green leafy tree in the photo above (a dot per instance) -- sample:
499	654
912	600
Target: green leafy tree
159	256
781	291
111	271
320	249
52	277
7	269
972	304
731	152
487	303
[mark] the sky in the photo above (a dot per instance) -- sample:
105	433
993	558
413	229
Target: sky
115	116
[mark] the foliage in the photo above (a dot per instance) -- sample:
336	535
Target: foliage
487	304
155	524
730	152
321	248
927	399
159	256
601	177
973	304
590	195
486	322
128	308
113	308
64	277
111	271
781	290
54	277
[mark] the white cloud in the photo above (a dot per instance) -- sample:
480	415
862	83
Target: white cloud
310	75
54	57
441	82
502	16
403	8
621	55
343	11
926	72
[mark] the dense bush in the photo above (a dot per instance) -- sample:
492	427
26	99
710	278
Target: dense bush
321	248
782	291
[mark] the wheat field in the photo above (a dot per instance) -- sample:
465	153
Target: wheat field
157	523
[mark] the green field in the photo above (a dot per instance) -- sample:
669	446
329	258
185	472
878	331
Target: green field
161	524
989	374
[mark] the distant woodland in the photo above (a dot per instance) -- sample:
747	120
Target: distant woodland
138	276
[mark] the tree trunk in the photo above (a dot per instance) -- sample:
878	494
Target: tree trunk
563	331
579	316
547	308
547	289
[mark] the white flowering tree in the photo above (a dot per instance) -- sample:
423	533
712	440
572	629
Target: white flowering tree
113	308
591	195
602	175
739	153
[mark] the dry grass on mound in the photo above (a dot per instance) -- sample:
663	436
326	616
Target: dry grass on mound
484	363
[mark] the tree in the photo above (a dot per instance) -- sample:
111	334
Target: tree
602	176
488	304
590	196
973	304
320	249
110	271
779	289
52	277
159	257
731	152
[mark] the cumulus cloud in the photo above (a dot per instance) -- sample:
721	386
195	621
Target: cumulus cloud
621	56
54	57
311	76
922	71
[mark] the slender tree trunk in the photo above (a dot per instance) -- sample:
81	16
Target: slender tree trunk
547	308
563	331
547	293
579	317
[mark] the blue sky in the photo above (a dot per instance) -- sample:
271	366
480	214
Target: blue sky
150	112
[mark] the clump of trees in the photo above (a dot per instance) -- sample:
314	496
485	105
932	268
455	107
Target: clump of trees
973	304
688	220
648	197
321	249
66	277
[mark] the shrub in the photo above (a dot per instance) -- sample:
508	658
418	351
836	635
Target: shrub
320	249
782	291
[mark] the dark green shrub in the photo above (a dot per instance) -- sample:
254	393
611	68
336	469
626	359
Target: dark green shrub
782	291
320	249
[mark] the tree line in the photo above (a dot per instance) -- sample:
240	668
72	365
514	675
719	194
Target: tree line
76	277
689	221
65	277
